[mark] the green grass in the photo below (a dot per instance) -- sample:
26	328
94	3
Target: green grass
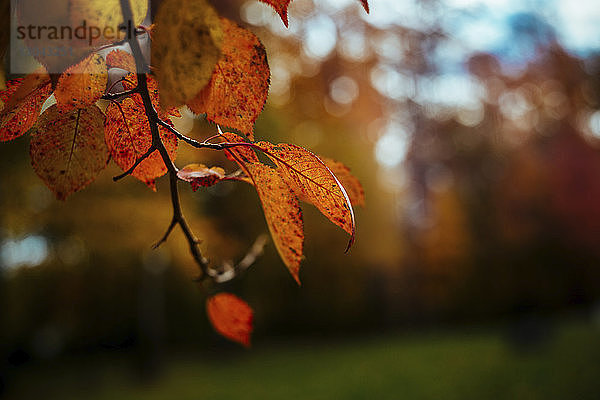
452	365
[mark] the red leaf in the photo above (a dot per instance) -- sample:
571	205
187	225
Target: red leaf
238	89
281	6
231	317
128	136
23	100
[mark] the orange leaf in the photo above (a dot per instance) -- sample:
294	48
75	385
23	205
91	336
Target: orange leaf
310	178
23	100
353	187
67	148
128	136
121	59
131	82
199	175
83	84
238	89
280	205
231	317
281	6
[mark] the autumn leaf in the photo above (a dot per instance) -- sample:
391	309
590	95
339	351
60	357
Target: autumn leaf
130	83
281	6
23	100
199	175
310	179
121	59
128	136
67	148
280	205
238	89
82	84
231	317
106	14
351	184
186	46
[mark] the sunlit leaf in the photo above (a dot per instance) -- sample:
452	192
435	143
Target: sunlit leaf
238	89
83	84
310	178
128	137
353	187
23	100
67	148
121	59
186	46
231	317
199	175
130	83
280	205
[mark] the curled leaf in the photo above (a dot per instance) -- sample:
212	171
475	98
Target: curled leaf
67	148
23	100
238	89
231	317
186	46
83	84
199	175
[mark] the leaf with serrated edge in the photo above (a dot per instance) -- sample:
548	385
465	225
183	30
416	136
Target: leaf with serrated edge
23	100
128	136
186	46
67	149
82	84
280	205
238	89
353	187
310	178
281	6
231	317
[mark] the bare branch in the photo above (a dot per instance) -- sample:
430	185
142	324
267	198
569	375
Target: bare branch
228	271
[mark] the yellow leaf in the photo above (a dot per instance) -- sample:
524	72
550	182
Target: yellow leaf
68	150
186	46
82	84
353	187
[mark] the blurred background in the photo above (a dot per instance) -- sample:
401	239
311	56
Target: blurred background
474	126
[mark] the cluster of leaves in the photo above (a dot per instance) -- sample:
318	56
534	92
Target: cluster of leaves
202	61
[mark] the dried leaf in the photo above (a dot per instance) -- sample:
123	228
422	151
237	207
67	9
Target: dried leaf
186	46
231	317
310	178
23	100
128	136
280	205
67	148
238	89
353	187
82	84
199	175
281	6
121	59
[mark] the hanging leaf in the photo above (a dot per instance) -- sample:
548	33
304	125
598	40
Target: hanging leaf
310	178
351	184
121	59
82	84
238	89
128	136
231	317
186	46
130	83
280	205
67	149
23	100
281	6
105	14
199	175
